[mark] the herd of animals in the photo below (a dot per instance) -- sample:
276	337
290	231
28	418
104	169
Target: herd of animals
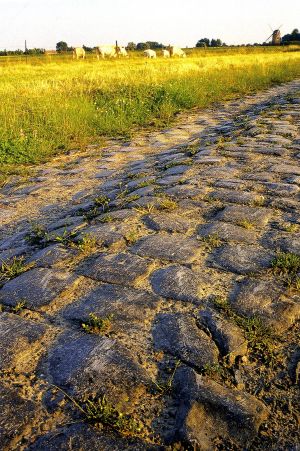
113	51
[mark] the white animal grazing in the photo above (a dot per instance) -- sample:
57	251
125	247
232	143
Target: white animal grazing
107	50
165	53
122	51
177	51
78	52
150	53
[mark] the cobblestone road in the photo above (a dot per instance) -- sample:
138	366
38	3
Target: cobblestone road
150	291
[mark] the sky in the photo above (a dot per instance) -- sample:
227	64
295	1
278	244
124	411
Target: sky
43	23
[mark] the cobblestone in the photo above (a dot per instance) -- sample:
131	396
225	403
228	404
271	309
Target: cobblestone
202	342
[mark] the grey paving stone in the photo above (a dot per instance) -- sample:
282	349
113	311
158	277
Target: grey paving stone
13	252
105	234
209	410
286	169
167	247
169	180
186	191
114	268
15	414
237	197
179	283
257	216
16	335
87	438
168	222
118	215
177	170
129	307
227	335
88	365
51	255
286	242
228	232
267	299
241	259
37	287
281	189
178	335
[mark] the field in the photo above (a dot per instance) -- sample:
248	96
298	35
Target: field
50	104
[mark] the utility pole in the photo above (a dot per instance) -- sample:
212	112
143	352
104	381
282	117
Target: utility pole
26	50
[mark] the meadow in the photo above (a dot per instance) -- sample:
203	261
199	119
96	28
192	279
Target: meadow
50	104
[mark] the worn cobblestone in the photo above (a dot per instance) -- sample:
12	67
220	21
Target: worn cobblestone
169	240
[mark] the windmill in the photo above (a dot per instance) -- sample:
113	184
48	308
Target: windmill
276	36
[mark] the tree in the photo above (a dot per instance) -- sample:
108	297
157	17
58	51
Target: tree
142	46
204	42
294	37
61	46
131	46
216	43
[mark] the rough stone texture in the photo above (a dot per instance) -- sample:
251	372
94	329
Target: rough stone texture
228	232
256	216
15	414
36	287
242	259
228	336
115	268
210	410
90	365
178	282
130	308
179	336
105	234
165	247
268	300
51	255
84	438
168	222
166	292
16	336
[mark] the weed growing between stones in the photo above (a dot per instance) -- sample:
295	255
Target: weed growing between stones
211	241
102	202
38	235
149	208
291	228
131	237
287	266
258	202
87	244
221	141
13	268
138	175
129	199
106	218
165	387
167	204
101	413
178	163
193	148
261	339
66	238
98	325
19	307
246	224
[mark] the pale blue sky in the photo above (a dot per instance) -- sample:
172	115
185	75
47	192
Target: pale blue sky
181	22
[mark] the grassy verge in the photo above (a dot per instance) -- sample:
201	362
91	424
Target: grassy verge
50	106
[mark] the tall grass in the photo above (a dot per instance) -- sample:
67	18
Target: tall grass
50	105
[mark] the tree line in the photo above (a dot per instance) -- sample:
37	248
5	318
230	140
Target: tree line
62	46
